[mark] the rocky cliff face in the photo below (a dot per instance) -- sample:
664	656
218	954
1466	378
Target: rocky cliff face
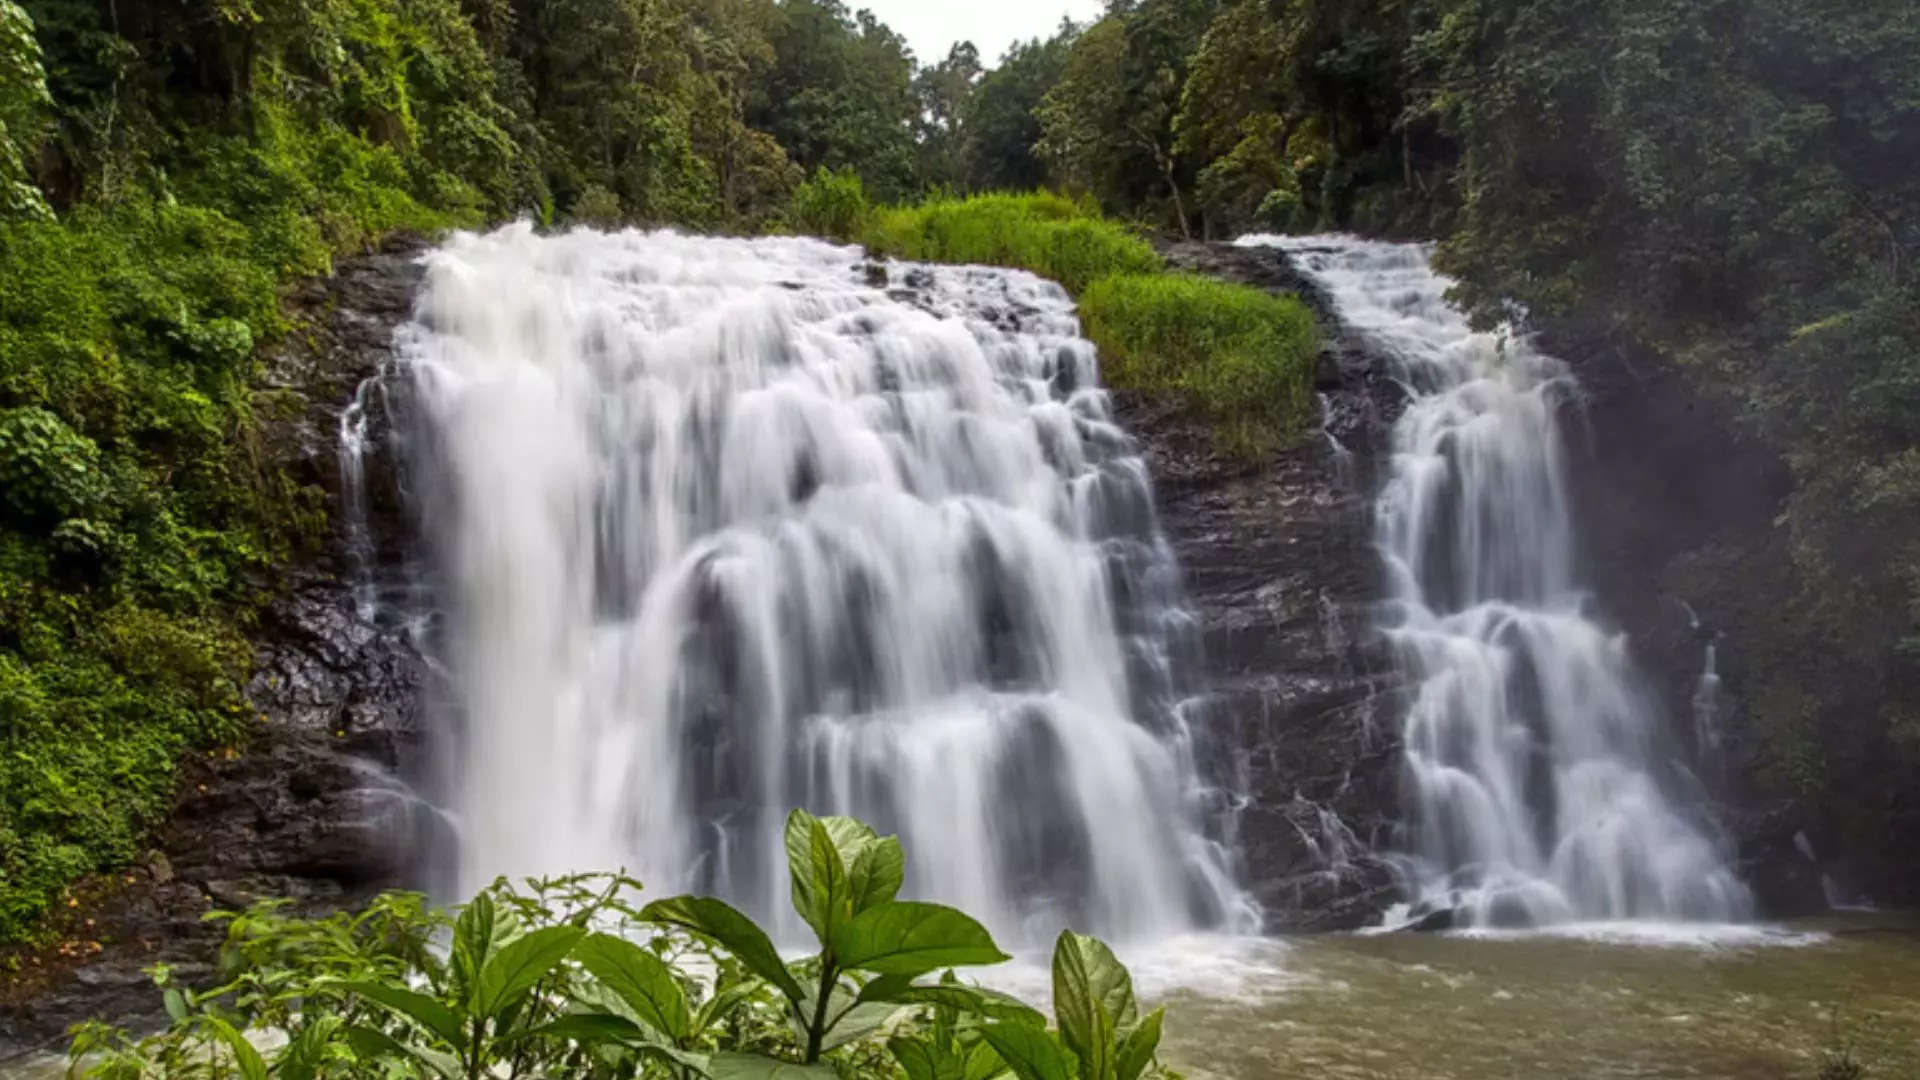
1281	571
318	809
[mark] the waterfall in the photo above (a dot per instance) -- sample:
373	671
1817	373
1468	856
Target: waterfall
725	527
1541	786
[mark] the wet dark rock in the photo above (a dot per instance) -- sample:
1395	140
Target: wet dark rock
1281	571
315	808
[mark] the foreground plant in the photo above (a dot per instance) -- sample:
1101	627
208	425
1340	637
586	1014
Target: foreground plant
568	978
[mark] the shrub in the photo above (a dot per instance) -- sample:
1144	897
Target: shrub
1243	359
832	204
568	978
1049	234
48	471
596	206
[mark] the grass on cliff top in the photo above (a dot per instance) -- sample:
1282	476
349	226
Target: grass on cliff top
1242	358
1238	358
1051	235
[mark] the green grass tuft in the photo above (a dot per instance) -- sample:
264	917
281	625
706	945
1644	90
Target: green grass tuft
1242	359
1049	234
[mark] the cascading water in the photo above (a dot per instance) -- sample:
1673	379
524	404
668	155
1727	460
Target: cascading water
1541	791
724	528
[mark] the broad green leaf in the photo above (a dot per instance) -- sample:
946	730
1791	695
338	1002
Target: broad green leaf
1032	1053
374	1043
303	1056
924	1061
716	919
419	1008
641	979
903	992
473	938
840	867
983	1062
516	967
246	1057
1001	1006
1092	999
731	1066
906	937
856	1023
1136	1049
876	873
586	1028
175	1002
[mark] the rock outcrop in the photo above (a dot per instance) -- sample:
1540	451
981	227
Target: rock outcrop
317	809
1280	569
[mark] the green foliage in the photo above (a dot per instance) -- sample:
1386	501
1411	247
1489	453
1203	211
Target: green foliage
839	94
23	107
1051	235
1242	357
832	204
1000	129
49	471
567	978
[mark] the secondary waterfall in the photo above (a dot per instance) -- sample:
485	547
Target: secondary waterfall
728	526
1542	790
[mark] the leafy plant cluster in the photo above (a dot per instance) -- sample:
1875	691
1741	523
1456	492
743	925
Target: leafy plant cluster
569	978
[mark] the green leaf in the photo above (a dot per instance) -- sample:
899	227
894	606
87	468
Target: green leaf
720	1005
175	1002
1136	1050
374	1043
1001	1006
519	965
306	1053
1032	1053
641	979
717	920
983	1062
1092	998
855	1023
876	874
731	1066
924	1061
419	1008
246	1057
906	937
900	989
473	938
819	874
586	1028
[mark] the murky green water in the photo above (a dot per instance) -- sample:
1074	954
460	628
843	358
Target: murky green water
1756	1004
1442	1007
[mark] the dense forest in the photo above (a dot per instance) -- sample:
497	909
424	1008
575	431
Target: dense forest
1727	184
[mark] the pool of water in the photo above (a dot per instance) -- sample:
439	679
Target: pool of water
1607	1003
1596	1003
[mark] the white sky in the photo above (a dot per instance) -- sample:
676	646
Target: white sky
932	26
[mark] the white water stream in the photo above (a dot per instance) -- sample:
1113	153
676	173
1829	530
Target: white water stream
723	529
1542	790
